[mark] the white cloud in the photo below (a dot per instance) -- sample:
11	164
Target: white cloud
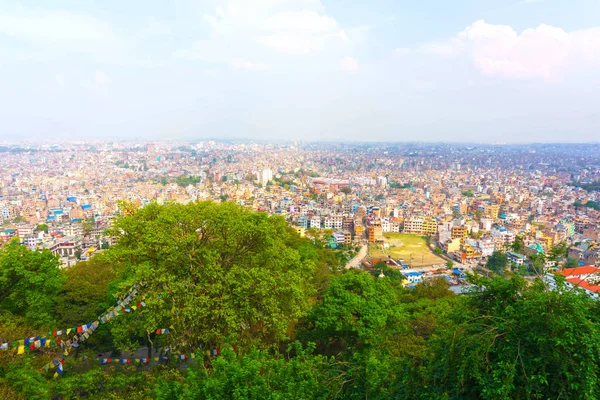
546	52
101	79
60	81
449	48
245	64
349	64
403	51
54	27
288	26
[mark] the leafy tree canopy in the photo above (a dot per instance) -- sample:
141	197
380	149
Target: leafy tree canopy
213	271
29	283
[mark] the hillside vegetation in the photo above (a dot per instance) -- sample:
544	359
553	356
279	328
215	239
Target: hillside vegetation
246	309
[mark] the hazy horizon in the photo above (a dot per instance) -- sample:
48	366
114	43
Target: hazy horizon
518	71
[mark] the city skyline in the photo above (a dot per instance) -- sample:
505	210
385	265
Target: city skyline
478	72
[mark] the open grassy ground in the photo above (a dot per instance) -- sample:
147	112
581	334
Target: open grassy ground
412	249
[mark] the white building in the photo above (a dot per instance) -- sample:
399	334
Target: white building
315	222
265	176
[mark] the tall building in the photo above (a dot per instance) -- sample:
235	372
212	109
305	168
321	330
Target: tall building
375	232
265	176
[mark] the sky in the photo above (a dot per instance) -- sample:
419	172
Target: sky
514	71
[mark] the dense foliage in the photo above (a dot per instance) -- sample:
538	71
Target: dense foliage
220	276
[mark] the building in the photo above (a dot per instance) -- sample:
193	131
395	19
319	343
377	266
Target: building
265	176
586	278
459	232
491	210
414	276
429	226
375	232
516	258
414	224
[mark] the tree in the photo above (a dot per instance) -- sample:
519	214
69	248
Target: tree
222	272
298	374
355	309
77	253
497	262
87	225
346	190
436	288
449	264
518	245
537	262
29	282
508	341
42	228
558	252
571	263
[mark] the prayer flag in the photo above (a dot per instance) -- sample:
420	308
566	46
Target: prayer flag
79	329
21	350
68	331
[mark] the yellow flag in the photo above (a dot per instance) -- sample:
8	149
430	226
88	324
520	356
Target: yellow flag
155	358
55	375
193	355
48	343
21	350
134	307
137	360
68	331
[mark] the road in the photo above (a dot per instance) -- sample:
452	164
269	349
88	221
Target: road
355	262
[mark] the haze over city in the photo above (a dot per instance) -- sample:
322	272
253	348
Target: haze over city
472	71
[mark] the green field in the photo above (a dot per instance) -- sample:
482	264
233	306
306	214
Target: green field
412	249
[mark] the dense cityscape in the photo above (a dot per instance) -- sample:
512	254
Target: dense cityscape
466	200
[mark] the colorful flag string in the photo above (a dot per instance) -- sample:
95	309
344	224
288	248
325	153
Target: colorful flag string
144	360
84	331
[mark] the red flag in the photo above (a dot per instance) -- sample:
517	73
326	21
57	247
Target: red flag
79	330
